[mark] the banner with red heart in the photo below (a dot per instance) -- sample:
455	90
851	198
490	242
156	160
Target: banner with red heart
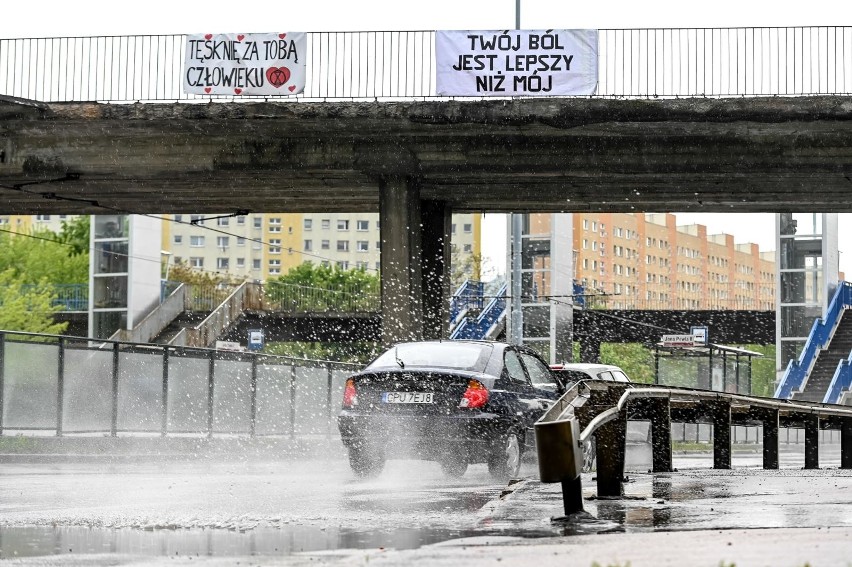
245	64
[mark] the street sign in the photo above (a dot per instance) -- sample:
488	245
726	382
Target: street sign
700	335
678	340
255	339
229	345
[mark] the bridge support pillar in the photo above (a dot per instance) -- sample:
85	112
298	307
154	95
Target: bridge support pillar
610	441
721	435
812	442
415	248
661	434
435	243
770	438
846	443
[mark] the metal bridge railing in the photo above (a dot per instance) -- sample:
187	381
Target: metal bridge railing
632	63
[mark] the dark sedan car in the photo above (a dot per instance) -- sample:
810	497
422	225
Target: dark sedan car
455	402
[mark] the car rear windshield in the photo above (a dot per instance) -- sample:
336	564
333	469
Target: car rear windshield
458	356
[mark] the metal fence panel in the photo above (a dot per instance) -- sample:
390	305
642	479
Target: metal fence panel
274	401
232	396
187	393
311	401
30	382
88	390
140	391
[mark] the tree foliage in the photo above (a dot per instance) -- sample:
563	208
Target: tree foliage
325	288
42	257
27	308
75	234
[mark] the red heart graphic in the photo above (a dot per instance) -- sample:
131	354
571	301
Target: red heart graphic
208	36
207	89
238	91
282	35
277	76
291	88
240	37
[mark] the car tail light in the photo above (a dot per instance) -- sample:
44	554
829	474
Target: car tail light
475	396
350	395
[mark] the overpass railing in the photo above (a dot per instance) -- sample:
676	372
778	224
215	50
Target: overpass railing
632	63
821	332
469	295
72	385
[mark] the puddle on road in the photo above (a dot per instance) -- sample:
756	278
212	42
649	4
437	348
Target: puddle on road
35	541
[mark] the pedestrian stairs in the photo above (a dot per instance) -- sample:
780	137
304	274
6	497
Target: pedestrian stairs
823	372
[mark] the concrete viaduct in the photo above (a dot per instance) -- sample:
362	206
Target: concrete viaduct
415	162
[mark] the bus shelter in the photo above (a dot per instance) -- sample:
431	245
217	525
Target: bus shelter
708	367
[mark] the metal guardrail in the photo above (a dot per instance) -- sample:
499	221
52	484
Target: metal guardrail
632	63
74	385
70	297
603	410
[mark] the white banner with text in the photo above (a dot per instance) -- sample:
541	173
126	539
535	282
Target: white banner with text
245	64
516	62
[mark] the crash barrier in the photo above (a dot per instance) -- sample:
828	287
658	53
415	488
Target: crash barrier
699	433
73	385
601	410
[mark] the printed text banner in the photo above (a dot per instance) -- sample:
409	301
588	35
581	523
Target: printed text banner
516	62
266	64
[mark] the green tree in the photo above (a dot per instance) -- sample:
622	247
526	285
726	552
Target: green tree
308	287
75	234
635	359
41	256
27	308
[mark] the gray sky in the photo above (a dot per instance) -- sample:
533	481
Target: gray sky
58	18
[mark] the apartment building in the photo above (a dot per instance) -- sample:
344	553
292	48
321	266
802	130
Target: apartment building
647	261
260	246
33	223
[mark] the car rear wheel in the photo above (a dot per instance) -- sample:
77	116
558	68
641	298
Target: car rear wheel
505	459
366	461
453	467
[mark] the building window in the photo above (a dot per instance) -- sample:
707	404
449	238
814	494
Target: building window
308	245
257	222
468	228
178	239
309	224
178	218
196	241
241	241
223	221
468	247
222	242
326	224
222	263
196	219
196	262
585	224
362	265
363	246
275	246
274	263
378	245
241	220
241	262
275	221
42	218
255	264
343	246
274	228
363	225
274	271
342	224
343	265
453	229
325	244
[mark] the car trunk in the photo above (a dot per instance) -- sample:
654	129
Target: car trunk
411	393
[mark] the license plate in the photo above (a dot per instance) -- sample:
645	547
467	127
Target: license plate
408	397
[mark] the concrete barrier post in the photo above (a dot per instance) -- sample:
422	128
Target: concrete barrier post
812	442
661	435
609	448
770	438
721	435
846	443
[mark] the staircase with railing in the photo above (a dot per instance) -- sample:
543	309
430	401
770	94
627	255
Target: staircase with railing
822	372
488	323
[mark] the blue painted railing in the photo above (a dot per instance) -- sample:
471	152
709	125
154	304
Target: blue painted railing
819	337
478	328
840	382
71	297
469	295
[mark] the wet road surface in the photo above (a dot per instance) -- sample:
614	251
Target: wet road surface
282	508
